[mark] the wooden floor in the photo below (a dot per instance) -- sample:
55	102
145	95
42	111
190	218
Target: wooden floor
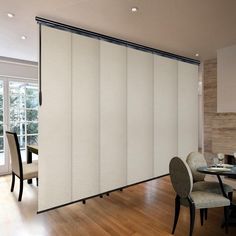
144	209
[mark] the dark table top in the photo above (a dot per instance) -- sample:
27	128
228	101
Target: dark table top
218	171
33	148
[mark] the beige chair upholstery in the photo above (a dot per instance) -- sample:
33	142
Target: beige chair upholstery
30	170
196	160
211	187
22	171
182	181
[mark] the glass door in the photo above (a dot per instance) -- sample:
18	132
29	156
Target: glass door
23	113
18	113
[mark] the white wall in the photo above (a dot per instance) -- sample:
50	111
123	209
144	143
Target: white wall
18	68
226	79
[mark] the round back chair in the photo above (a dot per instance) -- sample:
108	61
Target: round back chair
194	161
181	177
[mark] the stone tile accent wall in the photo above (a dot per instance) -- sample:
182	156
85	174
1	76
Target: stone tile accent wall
210	100
219	128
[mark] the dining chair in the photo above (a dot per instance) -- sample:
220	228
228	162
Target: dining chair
19	169
182	181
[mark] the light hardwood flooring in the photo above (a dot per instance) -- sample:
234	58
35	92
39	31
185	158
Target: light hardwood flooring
144	209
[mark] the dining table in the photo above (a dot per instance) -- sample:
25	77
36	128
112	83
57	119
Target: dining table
219	171
30	150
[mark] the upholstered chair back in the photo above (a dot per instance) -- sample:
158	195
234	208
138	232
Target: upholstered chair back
13	144
194	161
181	177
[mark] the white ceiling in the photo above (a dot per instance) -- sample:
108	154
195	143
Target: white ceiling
183	27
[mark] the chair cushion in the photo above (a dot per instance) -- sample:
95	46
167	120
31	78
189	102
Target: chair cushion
30	170
212	187
207	200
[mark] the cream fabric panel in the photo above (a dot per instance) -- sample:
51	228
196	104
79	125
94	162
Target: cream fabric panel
140	117
187	109
166	113
113	116
85	117
55	120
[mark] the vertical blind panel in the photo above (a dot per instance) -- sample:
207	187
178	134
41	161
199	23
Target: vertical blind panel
55	120
85	117
166	113
187	109
140	112
113	116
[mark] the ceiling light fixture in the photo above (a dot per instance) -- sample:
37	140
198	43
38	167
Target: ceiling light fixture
10	15
23	37
134	9
197	55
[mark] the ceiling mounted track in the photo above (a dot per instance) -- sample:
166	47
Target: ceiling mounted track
91	34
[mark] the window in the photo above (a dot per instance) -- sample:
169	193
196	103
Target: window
23	113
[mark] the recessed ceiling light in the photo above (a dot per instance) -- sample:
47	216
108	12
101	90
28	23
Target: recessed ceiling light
10	15
134	9
23	37
197	55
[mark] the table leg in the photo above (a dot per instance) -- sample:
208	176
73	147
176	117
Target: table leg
232	207
222	187
29	160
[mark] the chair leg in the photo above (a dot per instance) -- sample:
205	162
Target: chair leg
192	218
177	210
205	213
202	215
230	196
12	182
226	215
21	190
37	181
